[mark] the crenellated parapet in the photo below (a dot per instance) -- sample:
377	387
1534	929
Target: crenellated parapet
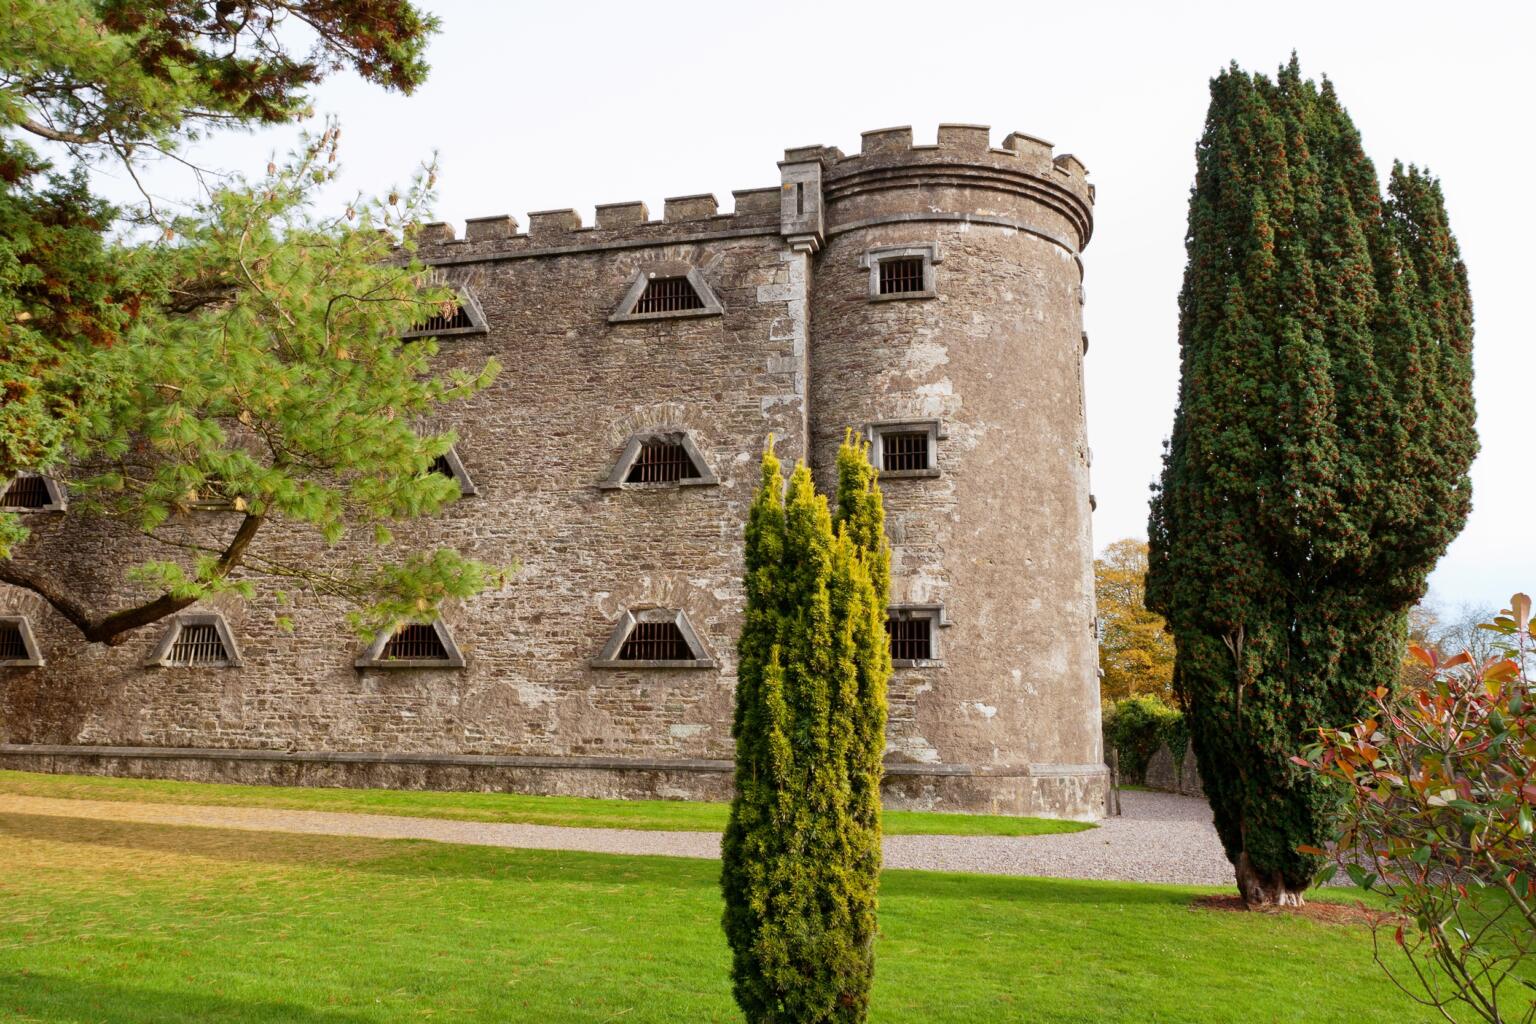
616	224
960	169
820	189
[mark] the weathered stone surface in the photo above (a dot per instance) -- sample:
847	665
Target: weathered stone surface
1162	772
1008	721
1189	774
1182	776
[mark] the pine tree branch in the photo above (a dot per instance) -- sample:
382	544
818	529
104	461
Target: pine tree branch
111	629
55	135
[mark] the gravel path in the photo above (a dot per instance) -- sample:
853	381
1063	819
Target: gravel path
1159	838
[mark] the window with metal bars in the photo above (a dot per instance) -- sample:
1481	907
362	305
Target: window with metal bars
662	461
904	450
13	646
197	644
26	492
668	295
911	638
655	641
440	321
442	467
902	274
415	642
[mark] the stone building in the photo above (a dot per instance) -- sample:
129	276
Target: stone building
928	296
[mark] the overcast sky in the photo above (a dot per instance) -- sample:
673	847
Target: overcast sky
540	106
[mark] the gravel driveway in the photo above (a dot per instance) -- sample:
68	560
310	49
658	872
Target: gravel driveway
1160	838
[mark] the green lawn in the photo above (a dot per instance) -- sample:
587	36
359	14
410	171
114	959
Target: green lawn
670	815
139	924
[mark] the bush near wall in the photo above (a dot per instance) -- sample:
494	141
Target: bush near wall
1137	726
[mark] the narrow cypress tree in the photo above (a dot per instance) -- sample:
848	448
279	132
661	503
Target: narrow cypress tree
802	849
1318	463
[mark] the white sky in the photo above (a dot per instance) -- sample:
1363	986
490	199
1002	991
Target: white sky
540	106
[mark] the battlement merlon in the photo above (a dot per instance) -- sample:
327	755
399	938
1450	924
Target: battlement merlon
810	177
960	166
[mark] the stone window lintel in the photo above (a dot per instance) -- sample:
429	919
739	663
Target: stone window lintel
933	427
34	658
626	462
471	307
609	657
460	474
624	311
58	501
374	656
161	656
931	255
935	613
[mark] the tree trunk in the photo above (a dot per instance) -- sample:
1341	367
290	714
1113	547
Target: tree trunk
112	629
1265	888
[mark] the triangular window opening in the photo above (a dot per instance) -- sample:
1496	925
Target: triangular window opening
451	466
653	638
459	315
656	641
18	648
13	646
196	640
668	295
660	457
27	490
662	460
415	642
198	644
454	319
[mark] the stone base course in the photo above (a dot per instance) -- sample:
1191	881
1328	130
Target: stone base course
1066	791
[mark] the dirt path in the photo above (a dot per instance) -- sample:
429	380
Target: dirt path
1160	838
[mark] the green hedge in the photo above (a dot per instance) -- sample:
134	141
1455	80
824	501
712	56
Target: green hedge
1137	727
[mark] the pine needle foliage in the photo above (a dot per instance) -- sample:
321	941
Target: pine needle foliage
801	855
244	354
265	375
1318	463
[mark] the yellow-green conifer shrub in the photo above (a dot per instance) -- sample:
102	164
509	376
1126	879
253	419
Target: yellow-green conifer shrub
802	850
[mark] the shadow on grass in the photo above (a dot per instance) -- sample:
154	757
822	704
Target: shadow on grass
395	857
423	858
48	997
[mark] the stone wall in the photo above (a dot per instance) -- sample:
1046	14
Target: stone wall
1007	721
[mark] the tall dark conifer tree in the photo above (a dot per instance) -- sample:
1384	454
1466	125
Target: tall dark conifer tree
1318	463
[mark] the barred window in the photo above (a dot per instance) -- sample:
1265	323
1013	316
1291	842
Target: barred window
447	319
198	644
416	642
906	448
904	274
26	491
911	638
661	461
903	271
649	638
13	646
668	295
904	451
655	641
660	457
451	466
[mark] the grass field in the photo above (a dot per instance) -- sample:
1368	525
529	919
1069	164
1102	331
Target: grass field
669	815
137	924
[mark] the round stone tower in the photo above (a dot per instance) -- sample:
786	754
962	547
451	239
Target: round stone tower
946	326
